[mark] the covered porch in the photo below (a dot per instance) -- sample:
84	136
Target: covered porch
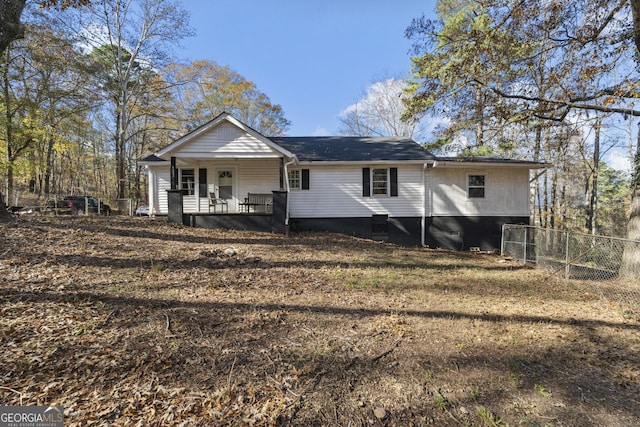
220	168
224	187
273	220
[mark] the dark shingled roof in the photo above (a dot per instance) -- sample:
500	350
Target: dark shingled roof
483	159
153	158
353	148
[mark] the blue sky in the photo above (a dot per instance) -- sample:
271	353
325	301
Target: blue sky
314	58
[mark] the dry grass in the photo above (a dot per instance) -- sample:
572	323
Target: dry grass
135	322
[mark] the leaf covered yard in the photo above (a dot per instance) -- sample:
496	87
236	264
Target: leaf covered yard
137	322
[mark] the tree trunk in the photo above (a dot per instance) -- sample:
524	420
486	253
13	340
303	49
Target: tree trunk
536	187
119	145
123	124
48	167
479	118
10	26
631	258
120	169
593	196
561	202
8	127
630	265
633	229
547	196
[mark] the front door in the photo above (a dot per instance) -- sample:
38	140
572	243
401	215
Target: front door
226	188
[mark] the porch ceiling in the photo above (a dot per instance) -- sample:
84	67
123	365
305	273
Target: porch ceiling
227	156
190	161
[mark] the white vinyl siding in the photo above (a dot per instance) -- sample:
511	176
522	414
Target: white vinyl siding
224	141
506	192
159	183
258	176
336	192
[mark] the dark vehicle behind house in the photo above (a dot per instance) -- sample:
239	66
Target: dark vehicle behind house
79	205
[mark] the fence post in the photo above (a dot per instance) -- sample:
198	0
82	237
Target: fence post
536	240
567	268
504	226
525	246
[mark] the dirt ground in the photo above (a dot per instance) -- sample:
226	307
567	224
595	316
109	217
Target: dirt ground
132	321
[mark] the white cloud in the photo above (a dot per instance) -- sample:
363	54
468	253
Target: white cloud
619	161
320	131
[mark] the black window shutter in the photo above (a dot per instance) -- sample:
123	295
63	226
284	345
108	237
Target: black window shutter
366	182
305	179
393	175
202	183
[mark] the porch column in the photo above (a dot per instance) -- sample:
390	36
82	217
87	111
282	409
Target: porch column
175	206
279	212
174	174
281	173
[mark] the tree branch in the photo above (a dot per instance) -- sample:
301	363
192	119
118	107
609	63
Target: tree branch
570	103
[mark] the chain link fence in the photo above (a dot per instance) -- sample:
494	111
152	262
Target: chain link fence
611	264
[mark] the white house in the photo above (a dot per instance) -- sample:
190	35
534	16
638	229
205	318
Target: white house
225	174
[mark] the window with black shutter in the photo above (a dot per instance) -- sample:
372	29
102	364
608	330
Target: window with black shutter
187	182
202	183
380	182
294	179
366	182
393	182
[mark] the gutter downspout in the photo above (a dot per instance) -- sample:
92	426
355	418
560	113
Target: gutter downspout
286	180
423	223
423	220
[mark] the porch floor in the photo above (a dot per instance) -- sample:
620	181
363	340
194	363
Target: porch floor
229	213
254	221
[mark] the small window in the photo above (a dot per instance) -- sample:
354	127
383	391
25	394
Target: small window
299	179
188	181
379	181
476	186
294	179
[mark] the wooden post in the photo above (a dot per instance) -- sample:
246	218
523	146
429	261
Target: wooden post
567	267
174	174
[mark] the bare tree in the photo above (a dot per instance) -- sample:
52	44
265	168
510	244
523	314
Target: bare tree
204	89
134	37
379	112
